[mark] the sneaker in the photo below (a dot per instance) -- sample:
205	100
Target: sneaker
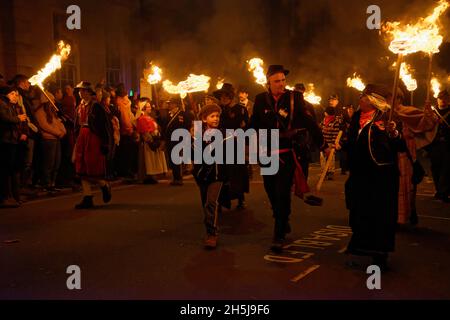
106	192
277	245
86	203
211	242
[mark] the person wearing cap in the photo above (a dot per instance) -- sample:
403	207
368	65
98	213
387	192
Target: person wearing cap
284	110
439	149
210	177
177	119
92	146
13	132
234	116
245	101
371	191
331	125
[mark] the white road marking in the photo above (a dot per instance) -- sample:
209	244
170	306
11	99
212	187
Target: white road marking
305	273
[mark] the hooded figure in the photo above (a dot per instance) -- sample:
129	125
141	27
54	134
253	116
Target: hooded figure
371	190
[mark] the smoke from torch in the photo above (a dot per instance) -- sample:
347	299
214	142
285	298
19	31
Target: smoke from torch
255	66
355	82
54	64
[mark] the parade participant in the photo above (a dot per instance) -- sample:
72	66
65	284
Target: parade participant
21	82
152	160
177	119
331	125
348	112
310	154
439	149
371	190
210	178
244	101
300	87
13	131
128	148
234	116
92	146
52	131
284	110
412	122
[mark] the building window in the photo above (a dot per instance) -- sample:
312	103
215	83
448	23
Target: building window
67	74
113	72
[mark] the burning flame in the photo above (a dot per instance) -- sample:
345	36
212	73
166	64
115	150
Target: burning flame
155	76
423	36
193	83
219	84
310	96
54	64
436	87
405	75
255	66
355	82
289	88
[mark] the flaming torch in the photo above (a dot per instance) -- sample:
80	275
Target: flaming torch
255	66
54	64
408	80
194	83
154	78
421	37
435	86
355	82
219	84
310	96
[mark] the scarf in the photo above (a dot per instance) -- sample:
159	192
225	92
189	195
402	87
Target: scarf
365	118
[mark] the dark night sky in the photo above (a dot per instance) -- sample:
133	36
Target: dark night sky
320	41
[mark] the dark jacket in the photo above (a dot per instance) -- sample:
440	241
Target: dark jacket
270	115
381	150
234	117
9	122
177	120
208	173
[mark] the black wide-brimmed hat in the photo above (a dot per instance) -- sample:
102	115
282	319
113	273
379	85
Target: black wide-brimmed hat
443	94
86	86
226	89
276	68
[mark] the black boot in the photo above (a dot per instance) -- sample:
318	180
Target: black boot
278	236
380	260
106	192
86	203
241	203
414	219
